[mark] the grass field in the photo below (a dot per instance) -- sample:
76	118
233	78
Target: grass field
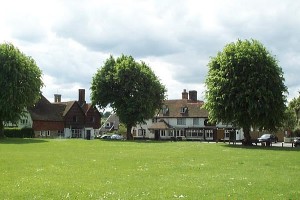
95	169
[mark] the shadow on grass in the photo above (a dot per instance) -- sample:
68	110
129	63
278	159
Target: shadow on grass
21	140
254	147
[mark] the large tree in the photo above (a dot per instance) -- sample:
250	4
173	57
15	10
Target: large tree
130	88
20	83
245	87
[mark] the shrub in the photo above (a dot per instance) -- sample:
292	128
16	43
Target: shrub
19	133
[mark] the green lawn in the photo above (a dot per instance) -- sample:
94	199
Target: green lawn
95	169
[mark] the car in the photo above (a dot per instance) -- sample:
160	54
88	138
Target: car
268	138
297	142
116	137
107	137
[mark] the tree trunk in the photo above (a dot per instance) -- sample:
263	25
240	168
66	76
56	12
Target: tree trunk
128	133
1	129
247	137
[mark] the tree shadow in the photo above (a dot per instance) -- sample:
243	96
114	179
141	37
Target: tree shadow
21	140
267	148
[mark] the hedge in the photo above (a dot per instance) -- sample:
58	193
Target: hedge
19	133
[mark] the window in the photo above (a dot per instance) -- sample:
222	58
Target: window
194	133
165	110
141	132
200	133
154	120
209	133
227	133
196	121
183	110
181	121
76	133
48	133
170	133
107	125
178	133
162	133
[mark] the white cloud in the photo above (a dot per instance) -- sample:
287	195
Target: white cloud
71	39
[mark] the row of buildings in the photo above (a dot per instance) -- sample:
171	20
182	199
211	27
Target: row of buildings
178	119
71	119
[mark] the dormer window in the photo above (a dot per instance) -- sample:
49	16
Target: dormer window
183	110
165	110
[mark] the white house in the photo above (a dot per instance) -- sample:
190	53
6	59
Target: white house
184	118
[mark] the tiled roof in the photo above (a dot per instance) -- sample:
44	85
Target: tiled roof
47	111
44	110
160	125
86	107
194	109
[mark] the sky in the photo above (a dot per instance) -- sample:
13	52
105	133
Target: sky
71	39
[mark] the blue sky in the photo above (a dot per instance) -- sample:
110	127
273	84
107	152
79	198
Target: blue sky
71	39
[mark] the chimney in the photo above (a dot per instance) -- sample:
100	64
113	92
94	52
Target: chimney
185	95
57	98
81	98
193	95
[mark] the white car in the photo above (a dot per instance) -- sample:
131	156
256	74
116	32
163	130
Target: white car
116	137
105	137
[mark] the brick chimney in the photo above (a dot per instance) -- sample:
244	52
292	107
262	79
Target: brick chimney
57	98
193	95
81	98
185	95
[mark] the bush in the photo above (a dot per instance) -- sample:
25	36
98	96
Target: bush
19	133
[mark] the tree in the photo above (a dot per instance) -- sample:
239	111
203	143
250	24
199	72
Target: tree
290	119
20	83
245	87
294	105
130	88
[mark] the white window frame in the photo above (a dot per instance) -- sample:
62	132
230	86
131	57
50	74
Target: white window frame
181	121
183	109
196	121
141	132
209	133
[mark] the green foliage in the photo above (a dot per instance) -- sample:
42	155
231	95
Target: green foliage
245	87
19	133
296	132
290	119
122	129
130	88
95	169
294	105
20	83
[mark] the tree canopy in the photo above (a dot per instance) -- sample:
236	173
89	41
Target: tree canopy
293	111
294	105
130	88
245	87
20	83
